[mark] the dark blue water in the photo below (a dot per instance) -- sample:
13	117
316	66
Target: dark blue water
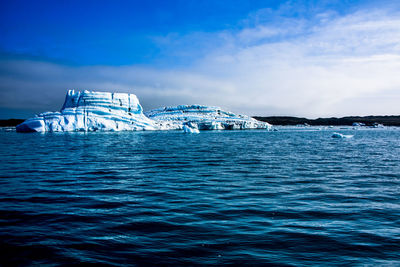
291	197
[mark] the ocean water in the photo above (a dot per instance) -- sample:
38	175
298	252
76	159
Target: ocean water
291	197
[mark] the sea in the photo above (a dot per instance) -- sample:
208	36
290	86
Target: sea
290	197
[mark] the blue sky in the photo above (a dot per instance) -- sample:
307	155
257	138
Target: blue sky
111	32
300	58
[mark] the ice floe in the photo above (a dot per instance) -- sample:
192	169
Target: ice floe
188	129
339	135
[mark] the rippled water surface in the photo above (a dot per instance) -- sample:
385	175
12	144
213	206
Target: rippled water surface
291	197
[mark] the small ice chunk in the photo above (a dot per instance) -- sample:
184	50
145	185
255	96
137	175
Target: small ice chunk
339	135
377	125
188	129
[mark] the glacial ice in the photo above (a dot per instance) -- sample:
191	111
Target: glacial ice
188	129
91	111
203	118
339	135
103	111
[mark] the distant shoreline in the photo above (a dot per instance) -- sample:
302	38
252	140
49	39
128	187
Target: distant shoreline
344	121
10	122
287	120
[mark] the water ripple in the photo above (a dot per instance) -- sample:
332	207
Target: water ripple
286	198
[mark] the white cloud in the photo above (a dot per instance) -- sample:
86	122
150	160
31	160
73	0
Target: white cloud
330	66
312	74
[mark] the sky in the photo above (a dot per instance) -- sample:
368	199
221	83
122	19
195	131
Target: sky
268	58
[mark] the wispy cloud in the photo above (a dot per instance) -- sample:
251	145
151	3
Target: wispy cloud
326	65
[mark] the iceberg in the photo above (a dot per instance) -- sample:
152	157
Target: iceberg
188	129
377	125
203	118
92	111
339	135
104	111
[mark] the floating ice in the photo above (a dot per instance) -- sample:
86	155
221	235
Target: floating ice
92	111
188	129
377	125
339	135
102	111
203	118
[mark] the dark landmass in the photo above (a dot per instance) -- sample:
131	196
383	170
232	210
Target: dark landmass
10	122
367	120
284	120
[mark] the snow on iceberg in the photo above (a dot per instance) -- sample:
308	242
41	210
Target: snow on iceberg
203	118
92	111
103	111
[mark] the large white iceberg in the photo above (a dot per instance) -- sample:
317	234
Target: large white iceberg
102	111
92	111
